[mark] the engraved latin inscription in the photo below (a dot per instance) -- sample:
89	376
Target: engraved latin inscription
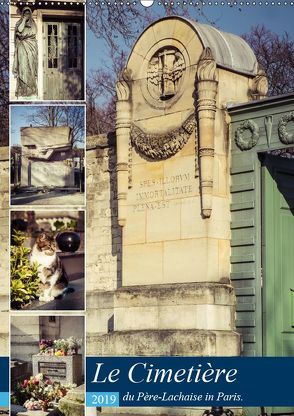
159	193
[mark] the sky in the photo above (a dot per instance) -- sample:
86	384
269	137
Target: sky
19	118
236	19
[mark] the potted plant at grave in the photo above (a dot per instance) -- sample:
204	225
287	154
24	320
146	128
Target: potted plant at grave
24	277
68	239
74	345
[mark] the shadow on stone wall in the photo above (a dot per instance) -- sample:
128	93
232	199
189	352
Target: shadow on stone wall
116	230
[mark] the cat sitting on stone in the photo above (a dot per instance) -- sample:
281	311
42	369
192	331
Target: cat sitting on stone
50	270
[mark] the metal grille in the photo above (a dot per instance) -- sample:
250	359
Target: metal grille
52	46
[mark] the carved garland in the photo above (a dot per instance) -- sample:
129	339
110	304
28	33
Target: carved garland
162	146
247	144
284	136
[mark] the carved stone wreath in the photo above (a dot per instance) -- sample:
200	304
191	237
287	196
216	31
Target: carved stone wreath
284	136
247	144
162	146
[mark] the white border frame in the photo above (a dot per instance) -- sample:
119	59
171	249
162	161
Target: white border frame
39	312
12	315
40	69
37	206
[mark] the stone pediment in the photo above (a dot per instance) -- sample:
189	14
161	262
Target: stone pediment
160	78
230	51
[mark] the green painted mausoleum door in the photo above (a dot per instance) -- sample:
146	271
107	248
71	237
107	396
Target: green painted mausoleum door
63	60
278	258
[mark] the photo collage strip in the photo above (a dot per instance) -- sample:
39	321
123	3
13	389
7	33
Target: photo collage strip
47	221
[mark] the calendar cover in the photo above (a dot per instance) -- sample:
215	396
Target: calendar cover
147	202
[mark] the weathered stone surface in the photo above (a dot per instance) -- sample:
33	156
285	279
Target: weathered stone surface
196	305
46	157
73	404
103	231
100	312
72	374
4	343
165	343
177	294
45	136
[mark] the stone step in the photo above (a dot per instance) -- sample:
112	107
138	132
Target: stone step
176	293
208	306
156	411
188	342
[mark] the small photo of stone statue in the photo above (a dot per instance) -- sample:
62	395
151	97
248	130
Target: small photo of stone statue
46	52
25	63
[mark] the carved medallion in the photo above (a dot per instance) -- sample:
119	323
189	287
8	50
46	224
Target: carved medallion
164	73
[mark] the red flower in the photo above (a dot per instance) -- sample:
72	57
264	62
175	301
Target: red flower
25	384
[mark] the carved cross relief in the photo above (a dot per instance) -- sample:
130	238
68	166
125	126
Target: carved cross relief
164	74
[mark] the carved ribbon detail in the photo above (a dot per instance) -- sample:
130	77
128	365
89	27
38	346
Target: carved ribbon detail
162	146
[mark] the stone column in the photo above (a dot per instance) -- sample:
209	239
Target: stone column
206	107
123	123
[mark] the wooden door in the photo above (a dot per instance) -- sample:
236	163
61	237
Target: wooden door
278	258
63	60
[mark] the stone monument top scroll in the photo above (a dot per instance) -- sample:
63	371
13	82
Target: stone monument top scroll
173	151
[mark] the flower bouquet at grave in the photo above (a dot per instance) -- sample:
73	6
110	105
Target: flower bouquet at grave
39	393
69	346
46	347
33	404
61	347
36	388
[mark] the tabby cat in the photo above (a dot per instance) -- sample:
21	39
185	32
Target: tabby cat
51	272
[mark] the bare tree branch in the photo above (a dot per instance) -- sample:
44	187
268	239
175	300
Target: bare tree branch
276	56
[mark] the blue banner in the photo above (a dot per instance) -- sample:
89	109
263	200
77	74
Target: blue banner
189	381
4	381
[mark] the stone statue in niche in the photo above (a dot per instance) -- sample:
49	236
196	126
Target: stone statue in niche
165	71
25	65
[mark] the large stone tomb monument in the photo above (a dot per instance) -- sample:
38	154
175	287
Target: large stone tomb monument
173	197
47	157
